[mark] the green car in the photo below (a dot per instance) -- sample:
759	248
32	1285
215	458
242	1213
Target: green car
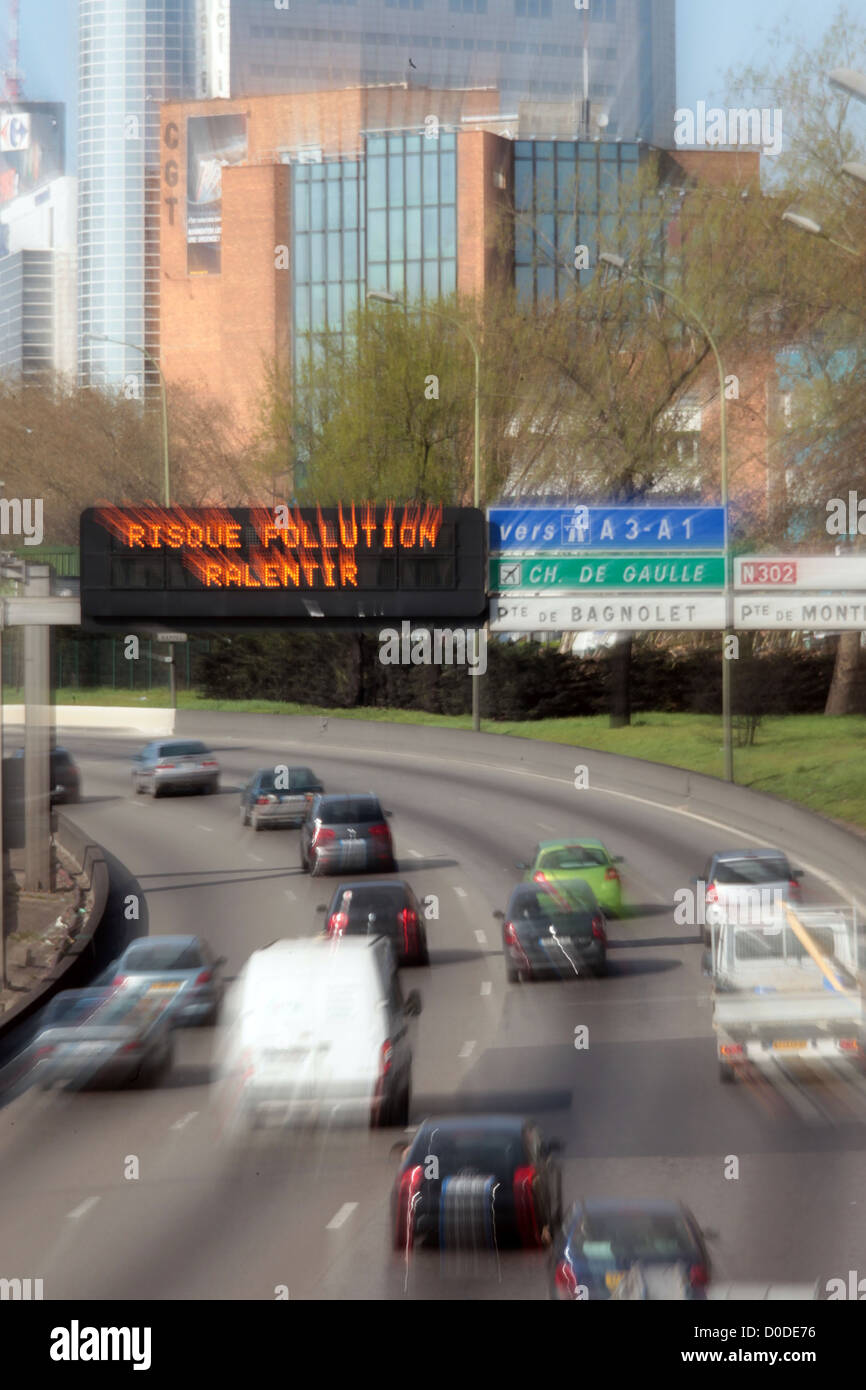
560	862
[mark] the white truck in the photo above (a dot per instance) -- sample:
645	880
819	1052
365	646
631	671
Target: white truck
786	988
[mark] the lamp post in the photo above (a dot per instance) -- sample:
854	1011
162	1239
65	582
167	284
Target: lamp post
619	264
384	297
121	342
808	224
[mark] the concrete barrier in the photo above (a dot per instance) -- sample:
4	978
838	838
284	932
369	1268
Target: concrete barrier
156	723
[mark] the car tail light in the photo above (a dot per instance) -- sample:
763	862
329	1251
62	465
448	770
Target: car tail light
209	762
611	873
265	800
119	980
732	1050
565	1280
712	893
408	1192
598	928
204	978
848	1045
379	832
510	934
698	1276
524	1207
161	766
385	1058
409	923
132	1046
795	888
323	835
539	876
337	923
44	1051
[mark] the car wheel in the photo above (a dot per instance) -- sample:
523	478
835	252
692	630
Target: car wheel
424	955
305	863
136	785
727	1075
255	822
74	796
601	970
154	789
316	866
512	974
245	816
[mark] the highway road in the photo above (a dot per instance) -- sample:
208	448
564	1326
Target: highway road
133	1195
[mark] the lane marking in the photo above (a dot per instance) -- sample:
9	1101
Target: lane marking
467	1049
486	986
86	1206
461	892
542	825
184	1120
341	1216
481	938
208	828
290	894
416	854
257	857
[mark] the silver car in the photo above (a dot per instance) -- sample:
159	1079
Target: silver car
182	969
104	1037
748	886
175	764
278	796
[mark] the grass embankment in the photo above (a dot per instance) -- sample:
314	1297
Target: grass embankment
818	762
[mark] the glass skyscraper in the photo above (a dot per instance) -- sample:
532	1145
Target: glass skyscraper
133	54
530	51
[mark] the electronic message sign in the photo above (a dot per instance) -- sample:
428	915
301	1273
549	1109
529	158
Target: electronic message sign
351	565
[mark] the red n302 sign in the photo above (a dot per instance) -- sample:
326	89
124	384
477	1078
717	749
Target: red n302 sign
761	572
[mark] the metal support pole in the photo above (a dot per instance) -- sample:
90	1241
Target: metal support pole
38	727
172	681
2	836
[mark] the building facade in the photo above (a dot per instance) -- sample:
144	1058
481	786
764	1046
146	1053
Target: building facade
617	54
133	54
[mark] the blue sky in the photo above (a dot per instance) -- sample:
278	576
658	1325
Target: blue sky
711	37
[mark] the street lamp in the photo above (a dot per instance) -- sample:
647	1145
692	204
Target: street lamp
121	342
384	297
849	81
619	264
808	224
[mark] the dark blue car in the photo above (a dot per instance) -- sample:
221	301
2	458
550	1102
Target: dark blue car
600	1240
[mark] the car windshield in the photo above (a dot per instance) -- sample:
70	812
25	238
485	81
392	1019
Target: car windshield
303	779
161	955
349	811
181	750
364	900
620	1238
572	857
472	1151
737	871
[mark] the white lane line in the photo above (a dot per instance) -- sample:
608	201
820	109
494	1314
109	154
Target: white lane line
184	1120
416	854
461	892
542	825
467	1049
486	986
340	1217
85	1207
208	828
257	857
290	894
481	938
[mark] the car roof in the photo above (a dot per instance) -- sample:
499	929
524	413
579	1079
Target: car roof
571	840
721	855
510	1124
373	883
348	796
162	941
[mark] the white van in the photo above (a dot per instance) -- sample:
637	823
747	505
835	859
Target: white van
317	1032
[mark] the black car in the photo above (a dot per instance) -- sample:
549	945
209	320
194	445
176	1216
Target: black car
601	1239
278	795
348	831
480	1182
64	775
385	908
557	933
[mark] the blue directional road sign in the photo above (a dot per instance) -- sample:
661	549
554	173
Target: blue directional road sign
606	528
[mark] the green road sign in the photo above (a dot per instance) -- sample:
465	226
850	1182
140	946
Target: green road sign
535	572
